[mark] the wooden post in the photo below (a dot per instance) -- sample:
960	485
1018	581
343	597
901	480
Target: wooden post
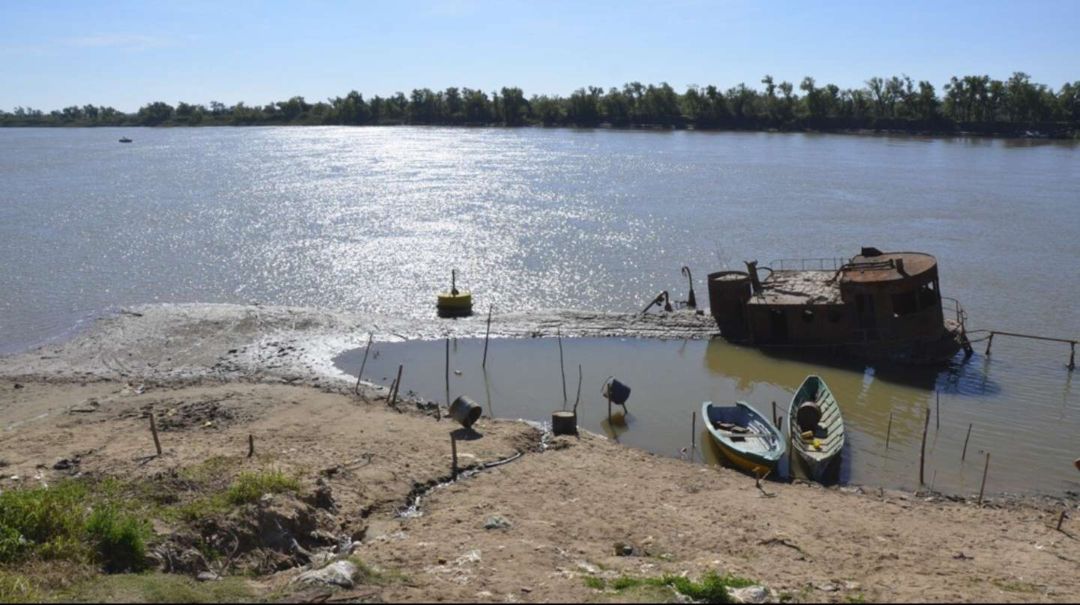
363	363
153	431
487	335
937	415
791	455
963	454
693	434
453	453
1061	518
1072	356
447	371
577	399
888	432
609	410
922	452
251	446
989	341
397	386
775	422
986	468
562	368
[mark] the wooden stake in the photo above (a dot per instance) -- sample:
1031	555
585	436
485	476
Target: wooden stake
1061	518
363	363
397	386
888	432
986	468
1072	357
251	446
153	431
937	415
989	341
487	335
577	399
693	434
922	451
562	368
447	371
453	452
791	455
963	454
775	422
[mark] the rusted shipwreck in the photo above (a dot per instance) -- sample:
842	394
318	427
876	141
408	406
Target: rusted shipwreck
876	305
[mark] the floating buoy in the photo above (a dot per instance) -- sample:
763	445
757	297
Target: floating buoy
454	303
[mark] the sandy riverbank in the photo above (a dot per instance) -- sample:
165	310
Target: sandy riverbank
212	376
566	504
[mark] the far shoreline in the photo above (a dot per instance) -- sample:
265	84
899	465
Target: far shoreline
1014	135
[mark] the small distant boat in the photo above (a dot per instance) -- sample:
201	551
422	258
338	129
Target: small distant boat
817	428
125	140
745	437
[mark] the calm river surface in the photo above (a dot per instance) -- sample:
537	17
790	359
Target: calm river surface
372	219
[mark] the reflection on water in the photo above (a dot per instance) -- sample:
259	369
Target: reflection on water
1021	408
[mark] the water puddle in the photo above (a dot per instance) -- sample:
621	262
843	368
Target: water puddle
1025	414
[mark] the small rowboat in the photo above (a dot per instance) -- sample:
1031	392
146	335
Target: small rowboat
817	428
125	140
745	437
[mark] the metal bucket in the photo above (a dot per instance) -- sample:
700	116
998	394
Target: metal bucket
616	391
465	411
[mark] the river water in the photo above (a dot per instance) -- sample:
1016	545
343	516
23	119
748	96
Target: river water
373	219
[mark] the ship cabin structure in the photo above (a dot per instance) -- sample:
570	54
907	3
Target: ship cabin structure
877	305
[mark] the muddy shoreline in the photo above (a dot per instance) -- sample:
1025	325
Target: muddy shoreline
533	518
173	345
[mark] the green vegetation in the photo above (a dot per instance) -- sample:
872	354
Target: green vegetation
973	103
157	588
249	487
69	522
15	588
713	587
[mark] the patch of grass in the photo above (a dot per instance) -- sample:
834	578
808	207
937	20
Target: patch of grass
120	540
855	598
15	588
595	583
1015	586
158	588
68	521
713	587
366	574
249	487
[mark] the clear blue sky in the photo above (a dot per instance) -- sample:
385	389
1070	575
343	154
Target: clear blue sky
128	53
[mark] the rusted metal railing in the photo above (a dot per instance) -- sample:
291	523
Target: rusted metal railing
1072	343
822	264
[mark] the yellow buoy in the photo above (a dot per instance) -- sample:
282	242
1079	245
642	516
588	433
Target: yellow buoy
454	303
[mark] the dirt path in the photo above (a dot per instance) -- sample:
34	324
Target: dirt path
562	510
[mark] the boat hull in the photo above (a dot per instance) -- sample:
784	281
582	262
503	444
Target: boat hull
822	450
756	463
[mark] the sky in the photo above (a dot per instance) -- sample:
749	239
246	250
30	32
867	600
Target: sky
129	53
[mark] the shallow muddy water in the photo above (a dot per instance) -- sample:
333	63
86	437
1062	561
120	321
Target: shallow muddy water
1028	425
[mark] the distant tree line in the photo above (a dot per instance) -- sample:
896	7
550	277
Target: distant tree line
976	104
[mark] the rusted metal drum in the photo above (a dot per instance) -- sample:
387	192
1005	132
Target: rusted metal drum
808	415
564	423
729	291
465	411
